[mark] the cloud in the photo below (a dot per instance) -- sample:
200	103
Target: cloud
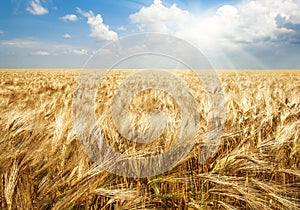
79	52
122	28
35	46
69	17
250	22
1	32
157	17
36	8
97	28
67	36
42	53
50	54
20	43
248	33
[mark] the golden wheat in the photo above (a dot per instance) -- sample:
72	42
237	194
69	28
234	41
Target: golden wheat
256	166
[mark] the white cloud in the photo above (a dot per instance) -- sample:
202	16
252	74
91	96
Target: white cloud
1	32
35	46
42	53
79	52
157	17
231	26
67	36
36	8
97	28
69	17
122	28
20	43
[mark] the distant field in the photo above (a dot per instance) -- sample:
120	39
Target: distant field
257	165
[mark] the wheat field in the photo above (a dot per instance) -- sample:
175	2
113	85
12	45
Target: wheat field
256	166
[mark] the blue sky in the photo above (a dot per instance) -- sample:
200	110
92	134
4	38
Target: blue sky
232	34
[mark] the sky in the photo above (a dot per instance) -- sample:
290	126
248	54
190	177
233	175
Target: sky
232	34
